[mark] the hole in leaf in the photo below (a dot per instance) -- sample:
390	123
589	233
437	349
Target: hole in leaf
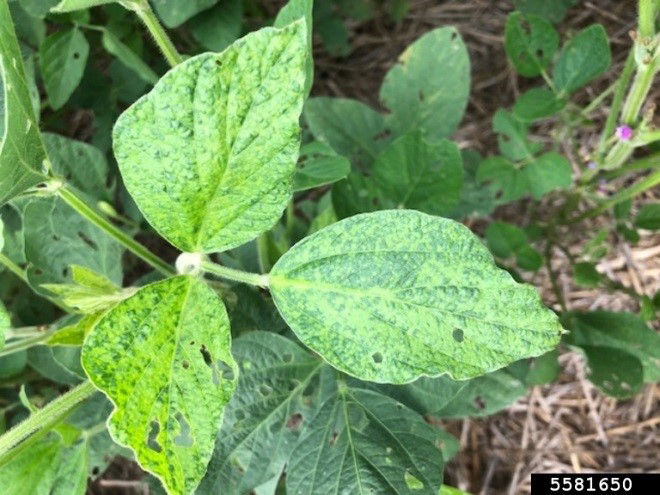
56	238
96	471
88	241
479	403
454	35
185	365
333	438
183	439
294	422
225	370
293	384
152	440
76	55
421	95
265	390
236	464
38	271
413	482
287	357
377	357
458	335
206	355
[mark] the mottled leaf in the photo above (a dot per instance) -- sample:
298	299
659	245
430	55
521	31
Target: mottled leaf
62	57
530	42
22	155
163	357
350	127
291	12
536	104
175	12
360	442
428	88
209	154
416	174
393	295
319	165
583	58
266	415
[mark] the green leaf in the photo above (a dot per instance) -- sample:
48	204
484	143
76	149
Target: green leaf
173	13
62	58
59	364
193	153
319	165
291	12
419	95
34	469
29	29
128	57
81	165
530	42
218	27
648	217
357	194
512	137
583	58
544	369
359	442
266	415
349	127
536	104
624	331
393	295
528	258
554	10
450	490
505	239
22	155
74	334
163	357
476	199
586	275
415	174
72	240
71	5
37	8
548	172
332	29
5	324
615	372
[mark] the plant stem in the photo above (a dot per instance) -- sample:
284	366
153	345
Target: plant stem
595	103
13	267
638	92
619	94
651	161
147	16
71	198
25	343
235	275
623	195
647	13
263	258
45	417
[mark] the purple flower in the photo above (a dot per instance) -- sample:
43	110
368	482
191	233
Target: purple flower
592	165
624	133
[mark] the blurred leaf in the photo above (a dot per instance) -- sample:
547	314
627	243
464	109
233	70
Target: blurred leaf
553	10
350	127
614	371
357	194
37	8
71	5
530	42
648	217
512	137
544	369
583	58
218	27
59	364
62	58
528	258
360	10
332	30
397	9
319	165
476	199
548	172
173	13
421	97
128	57
536	104
505	239
29	29
505	176
415	174
586	275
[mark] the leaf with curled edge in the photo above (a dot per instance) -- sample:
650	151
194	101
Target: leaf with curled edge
209	154
393	295
163	357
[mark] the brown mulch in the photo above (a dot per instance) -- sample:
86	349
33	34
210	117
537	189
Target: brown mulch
567	426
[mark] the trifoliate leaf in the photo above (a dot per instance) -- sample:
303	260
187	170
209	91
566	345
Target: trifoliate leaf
416	174
22	155
350	127
319	165
62	57
648	217
263	421
428	88
163	357
583	58
362	442
393	295
530	42
536	104
209	154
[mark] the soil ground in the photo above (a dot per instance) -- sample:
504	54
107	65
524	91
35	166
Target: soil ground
567	426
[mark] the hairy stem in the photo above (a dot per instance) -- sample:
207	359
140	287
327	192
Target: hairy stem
45	418
72	199
235	275
147	16
25	343
648	162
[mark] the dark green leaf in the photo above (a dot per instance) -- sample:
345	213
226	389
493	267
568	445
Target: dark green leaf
512	137
544	369
505	176
528	258
536	104
548	172
357	194
218	27
505	239
648	217
583	58
319	165
614	371
530	43
586	275
553	10
175	12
